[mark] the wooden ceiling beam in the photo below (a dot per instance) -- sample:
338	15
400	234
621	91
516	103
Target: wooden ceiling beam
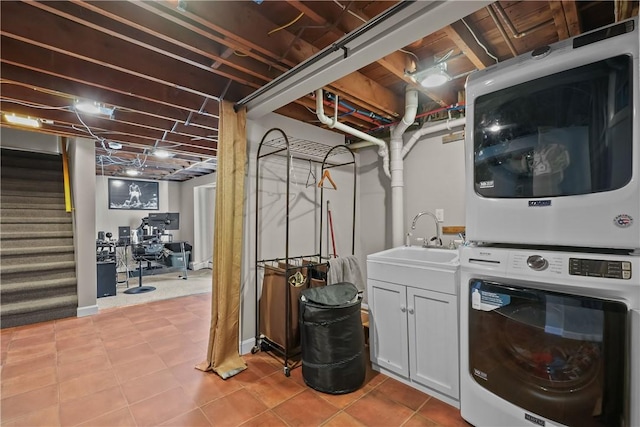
572	17
39	81
231	18
143	20
559	19
73	39
47	100
169	13
25	55
105	128
465	41
396	63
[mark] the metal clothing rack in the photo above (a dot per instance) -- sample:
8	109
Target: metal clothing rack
276	143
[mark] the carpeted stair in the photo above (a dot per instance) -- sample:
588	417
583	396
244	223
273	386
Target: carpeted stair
37	260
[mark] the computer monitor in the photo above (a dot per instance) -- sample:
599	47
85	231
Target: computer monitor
124	233
165	221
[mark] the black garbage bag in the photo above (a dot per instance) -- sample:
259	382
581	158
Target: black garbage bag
333	355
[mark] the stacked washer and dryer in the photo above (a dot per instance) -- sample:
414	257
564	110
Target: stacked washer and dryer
550	279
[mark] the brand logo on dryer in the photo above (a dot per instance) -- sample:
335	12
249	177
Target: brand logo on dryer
534	420
539	203
623	221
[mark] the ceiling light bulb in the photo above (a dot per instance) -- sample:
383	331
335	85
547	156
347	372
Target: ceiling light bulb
114	145
435	76
162	153
88	107
435	79
21	120
132	172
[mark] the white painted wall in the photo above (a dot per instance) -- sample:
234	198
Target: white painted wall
82	171
434	179
197	216
303	204
110	219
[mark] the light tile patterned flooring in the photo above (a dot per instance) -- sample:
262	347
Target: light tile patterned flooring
134	366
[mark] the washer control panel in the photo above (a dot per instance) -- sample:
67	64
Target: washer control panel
600	268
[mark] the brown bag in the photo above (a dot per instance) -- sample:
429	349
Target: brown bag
273	309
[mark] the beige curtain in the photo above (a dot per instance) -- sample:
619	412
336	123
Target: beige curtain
223	357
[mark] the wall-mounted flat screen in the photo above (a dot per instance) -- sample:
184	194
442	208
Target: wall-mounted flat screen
165	221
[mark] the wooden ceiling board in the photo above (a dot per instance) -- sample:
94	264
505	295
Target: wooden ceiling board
163	68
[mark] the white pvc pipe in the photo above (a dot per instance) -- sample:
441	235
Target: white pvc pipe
383	151
427	130
397	167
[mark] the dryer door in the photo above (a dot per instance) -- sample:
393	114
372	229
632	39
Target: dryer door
559	356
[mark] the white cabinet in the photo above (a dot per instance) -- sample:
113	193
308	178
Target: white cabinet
414	335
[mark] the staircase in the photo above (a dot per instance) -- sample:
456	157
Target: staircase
37	260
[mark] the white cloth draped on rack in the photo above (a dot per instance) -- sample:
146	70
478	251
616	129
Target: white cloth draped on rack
345	269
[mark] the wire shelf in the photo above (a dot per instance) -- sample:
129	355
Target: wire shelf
304	149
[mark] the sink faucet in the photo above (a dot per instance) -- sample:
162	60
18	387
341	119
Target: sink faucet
425	243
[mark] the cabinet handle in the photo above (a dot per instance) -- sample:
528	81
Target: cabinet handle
403	308
410	310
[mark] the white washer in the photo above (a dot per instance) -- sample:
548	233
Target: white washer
549	338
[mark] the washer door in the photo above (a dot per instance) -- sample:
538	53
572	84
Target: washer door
559	356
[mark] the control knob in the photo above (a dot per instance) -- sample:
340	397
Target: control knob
537	262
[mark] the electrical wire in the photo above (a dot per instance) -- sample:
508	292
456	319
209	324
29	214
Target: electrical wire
410	53
236	53
350	12
32	105
286	25
478	41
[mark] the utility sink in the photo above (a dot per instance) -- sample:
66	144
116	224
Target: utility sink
433	269
419	256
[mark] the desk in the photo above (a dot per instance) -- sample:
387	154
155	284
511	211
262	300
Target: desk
139	254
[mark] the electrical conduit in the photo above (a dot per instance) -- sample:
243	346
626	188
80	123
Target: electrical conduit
332	122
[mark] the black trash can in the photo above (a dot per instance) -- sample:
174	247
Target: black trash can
333	355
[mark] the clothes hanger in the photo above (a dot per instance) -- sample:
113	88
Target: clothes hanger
311	174
327	175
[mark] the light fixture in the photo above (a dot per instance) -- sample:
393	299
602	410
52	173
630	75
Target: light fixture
434	76
22	120
163	154
91	107
114	145
132	172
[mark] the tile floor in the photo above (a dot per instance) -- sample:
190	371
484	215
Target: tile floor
134	366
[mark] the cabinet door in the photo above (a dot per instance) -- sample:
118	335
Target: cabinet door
433	340
388	326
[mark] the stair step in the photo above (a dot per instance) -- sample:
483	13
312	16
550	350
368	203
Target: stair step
22	259
30	173
37	206
38	310
35	220
35	235
44	162
35	276
31	199
13	192
7	290
36	250
29	227
13	184
34	242
33	213
34	267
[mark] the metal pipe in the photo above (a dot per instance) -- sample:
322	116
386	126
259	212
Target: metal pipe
340	44
503	33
